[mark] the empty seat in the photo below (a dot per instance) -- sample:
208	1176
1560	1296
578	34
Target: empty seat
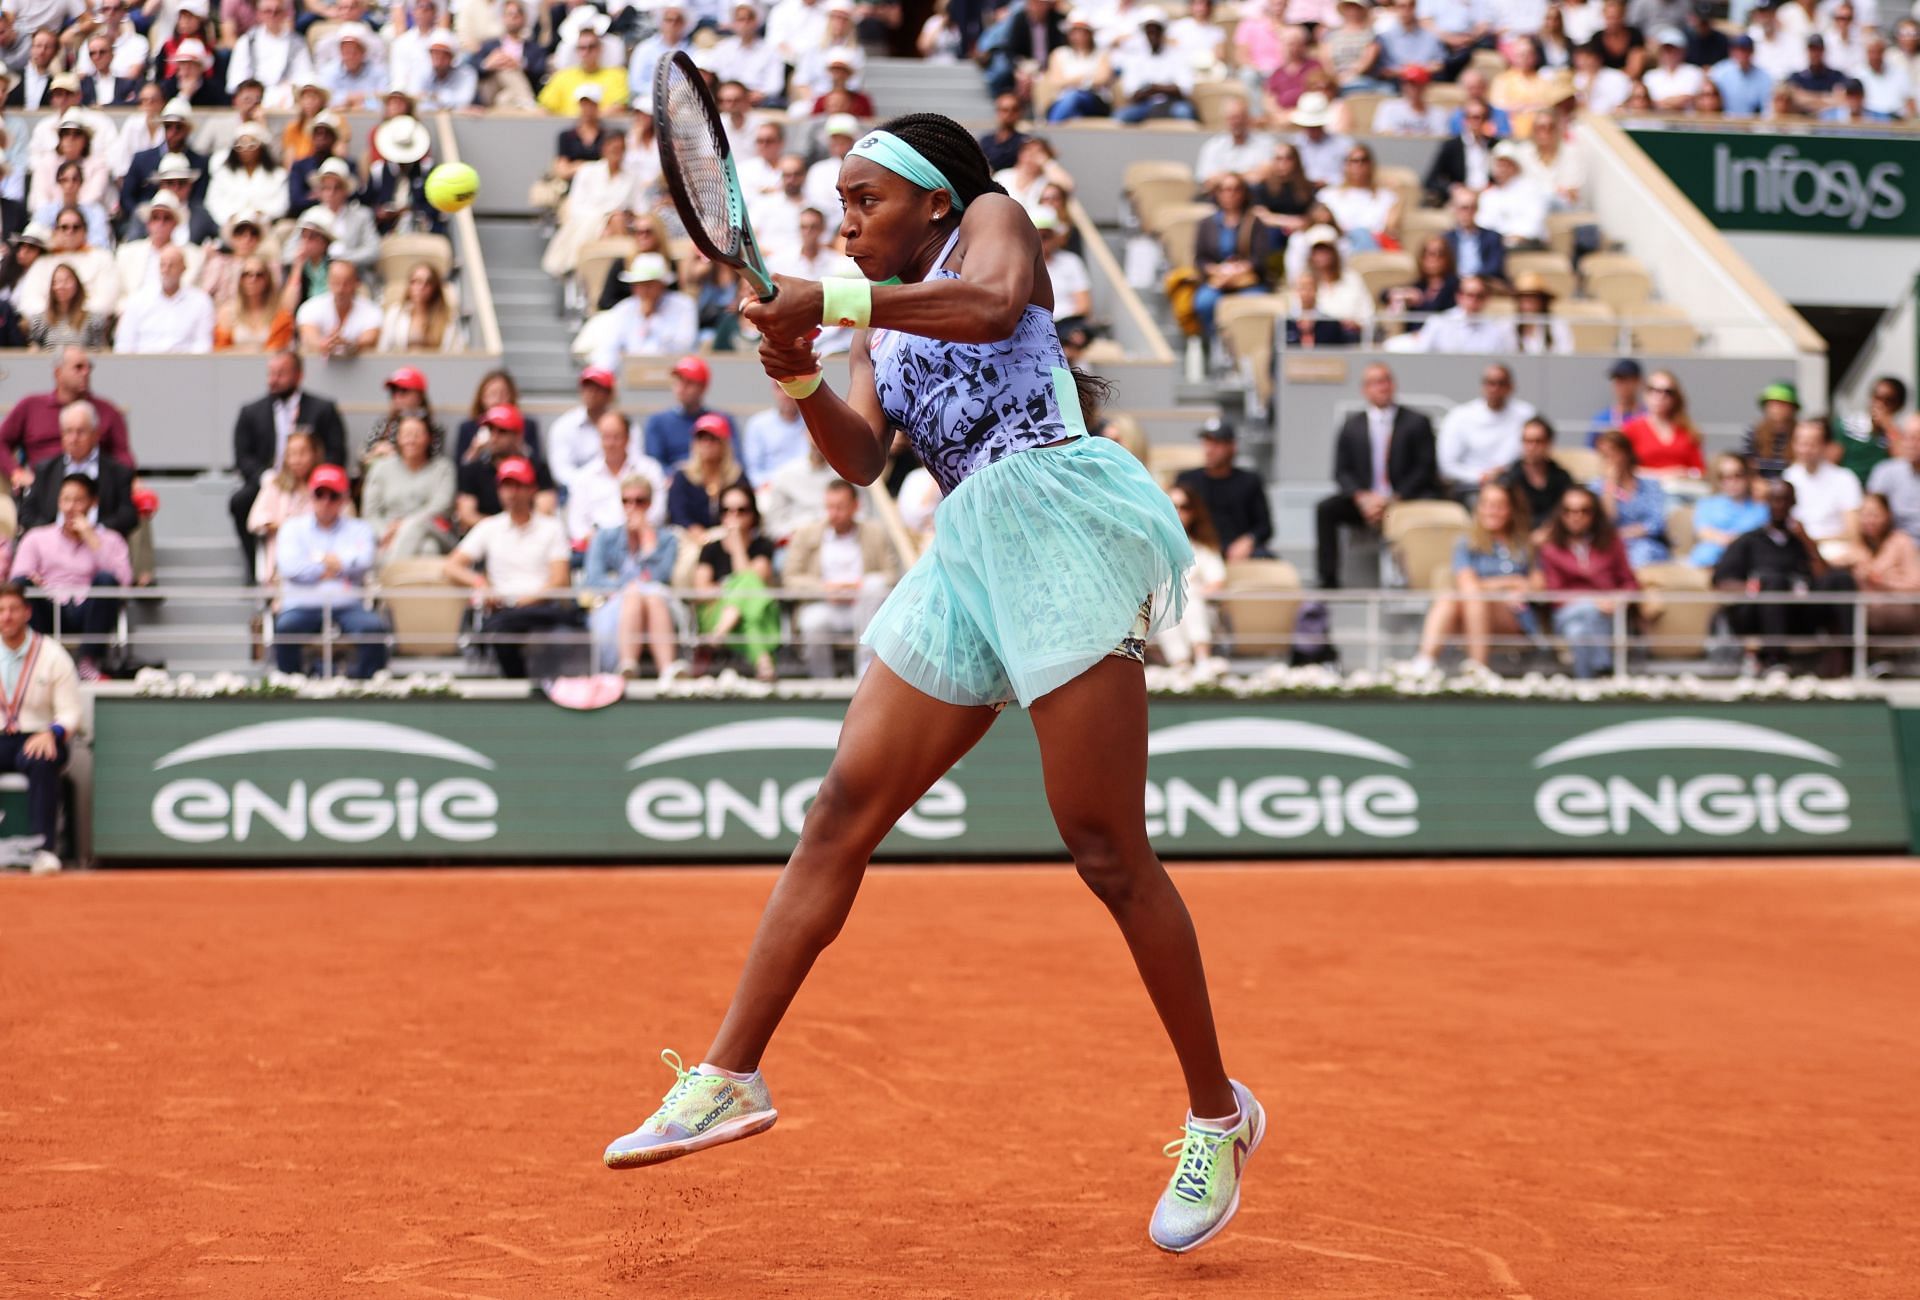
1561	227
1676	629
1360	110
1210	100
1178	231
1417	225
1663	327
1554	268
1255	606
598	260
1246	322
1592	325
423	624
1157	201
1618	279
1582	462
1167	463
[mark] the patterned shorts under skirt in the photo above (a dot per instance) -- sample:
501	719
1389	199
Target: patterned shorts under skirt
1042	565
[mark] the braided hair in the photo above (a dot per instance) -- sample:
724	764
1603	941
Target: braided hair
951	147
947	145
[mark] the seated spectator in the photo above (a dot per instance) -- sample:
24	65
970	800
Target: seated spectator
1353	52
1635	503
254	318
1745	90
1153	80
1580	554
1191	639
171	316
248	179
1480	439
773	439
310	99
1493	559
502	439
407	497
1864	440
67	183
1233	251
1673	82
600	189
80	454
137	264
66	322
1620	45
1340	292
778	213
1533	330
1537	480
194	224
1409	113
1816	87
1887	89
1769	442
671	37
668	434
356	236
283	493
68	247
1665	441
1732	510
1888	561
748	58
1238	149
1512	206
849	564
1409	51
1465	159
32	430
1627	404
1285	195
323	557
1557	170
1477	251
74	143
449	84
1003	143
523	560
630	564
1779	557
1306	326
1236	498
67	559
1033	170
792	496
1367	211
343	322
220	267
498	388
593	493
1465	326
1898	479
1526	92
654	322
406	395
306	256
1293	74
834	88
1381	456
1598	88
1826	495
710	471
326	133
734	575
261	432
573	440
272	53
1024	38
1323	153
1258	35
1435	287
1083	77
45	682
423	320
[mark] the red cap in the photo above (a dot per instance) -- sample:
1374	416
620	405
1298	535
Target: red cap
693	368
505	417
146	501
713	424
408	378
328	476
595	375
516	469
1418	75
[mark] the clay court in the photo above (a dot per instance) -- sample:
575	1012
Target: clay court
1486	1081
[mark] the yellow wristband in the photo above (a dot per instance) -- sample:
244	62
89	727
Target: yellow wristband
800	388
846	300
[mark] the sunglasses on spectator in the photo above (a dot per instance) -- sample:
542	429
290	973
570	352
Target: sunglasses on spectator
736	510
636	501
1576	510
1662	388
1471	293
325	494
69	225
1532	439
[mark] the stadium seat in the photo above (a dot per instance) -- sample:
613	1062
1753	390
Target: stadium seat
1561	227
1246	322
1676	630
1582	462
1154	169
1260	624
1592	324
1421	535
597	261
1403	181
1663	327
1680	534
399	254
1155	199
1554	268
1168	463
1045	91
1618	279
1382	271
1178	231
423	625
1446	94
1360	109
1210	100
1417	225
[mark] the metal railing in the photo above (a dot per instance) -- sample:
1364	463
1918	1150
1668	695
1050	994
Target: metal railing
1367	627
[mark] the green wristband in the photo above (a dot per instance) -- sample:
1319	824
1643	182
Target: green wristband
846	301
802	388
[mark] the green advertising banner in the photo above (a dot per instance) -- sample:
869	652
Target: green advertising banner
1907	726
271	781
1815	183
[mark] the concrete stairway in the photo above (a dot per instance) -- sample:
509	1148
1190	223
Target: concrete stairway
912	86
195	547
527	301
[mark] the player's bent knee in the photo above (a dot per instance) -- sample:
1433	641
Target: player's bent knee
1105	865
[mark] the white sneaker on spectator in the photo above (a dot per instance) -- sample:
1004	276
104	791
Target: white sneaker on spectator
1420	665
44	863
676	669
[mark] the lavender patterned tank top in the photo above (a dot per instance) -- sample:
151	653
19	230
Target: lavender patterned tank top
967	405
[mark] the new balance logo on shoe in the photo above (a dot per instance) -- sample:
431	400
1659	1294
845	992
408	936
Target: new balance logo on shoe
1241	1150
725	1104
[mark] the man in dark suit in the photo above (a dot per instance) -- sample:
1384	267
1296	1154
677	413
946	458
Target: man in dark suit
1476	250
80	454
1466	155
1385	453
260	433
98	85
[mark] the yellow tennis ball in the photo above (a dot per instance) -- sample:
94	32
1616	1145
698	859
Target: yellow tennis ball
452	187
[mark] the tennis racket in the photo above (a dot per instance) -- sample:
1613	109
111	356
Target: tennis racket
697	163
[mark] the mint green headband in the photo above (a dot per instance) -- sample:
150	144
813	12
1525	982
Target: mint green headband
905	161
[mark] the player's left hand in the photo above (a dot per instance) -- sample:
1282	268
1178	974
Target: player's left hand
789	360
794	311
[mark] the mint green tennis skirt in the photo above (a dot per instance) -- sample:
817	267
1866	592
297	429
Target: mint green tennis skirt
1038	569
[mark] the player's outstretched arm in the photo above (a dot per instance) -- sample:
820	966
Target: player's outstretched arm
851	432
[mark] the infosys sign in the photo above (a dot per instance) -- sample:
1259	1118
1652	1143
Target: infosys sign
1821	183
265	781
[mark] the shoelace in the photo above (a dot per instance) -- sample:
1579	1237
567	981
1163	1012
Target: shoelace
1197	1149
683	1078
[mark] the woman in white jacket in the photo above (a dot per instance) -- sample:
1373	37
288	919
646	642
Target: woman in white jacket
247	180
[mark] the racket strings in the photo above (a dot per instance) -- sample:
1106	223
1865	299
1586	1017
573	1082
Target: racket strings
698	162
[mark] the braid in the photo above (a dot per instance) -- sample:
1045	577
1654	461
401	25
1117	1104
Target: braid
947	145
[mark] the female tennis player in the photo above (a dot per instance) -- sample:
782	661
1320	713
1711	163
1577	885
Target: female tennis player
1054	556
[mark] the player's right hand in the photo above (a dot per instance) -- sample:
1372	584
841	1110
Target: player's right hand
791	359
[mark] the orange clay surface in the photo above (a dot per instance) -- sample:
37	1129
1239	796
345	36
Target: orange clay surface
1484	1081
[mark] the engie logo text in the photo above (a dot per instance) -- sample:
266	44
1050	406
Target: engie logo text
1270	778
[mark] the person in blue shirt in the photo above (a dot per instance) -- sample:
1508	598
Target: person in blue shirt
1636	504
667	435
1627	404
323	559
1406	43
1814	85
1729	512
1745	90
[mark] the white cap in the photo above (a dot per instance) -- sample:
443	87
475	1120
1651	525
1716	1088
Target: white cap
193	51
1312	109
335	167
166	199
1670	36
176	167
442	39
1151	16
646	268
177	110
839	6
1508	150
316	218
845	56
254	131
74	120
358	32
1079	18
843	124
199	8
589	90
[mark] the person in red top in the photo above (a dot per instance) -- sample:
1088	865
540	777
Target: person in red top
1664	438
31	431
1582	553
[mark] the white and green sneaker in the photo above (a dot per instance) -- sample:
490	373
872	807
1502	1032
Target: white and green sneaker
699	1111
1205	1189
